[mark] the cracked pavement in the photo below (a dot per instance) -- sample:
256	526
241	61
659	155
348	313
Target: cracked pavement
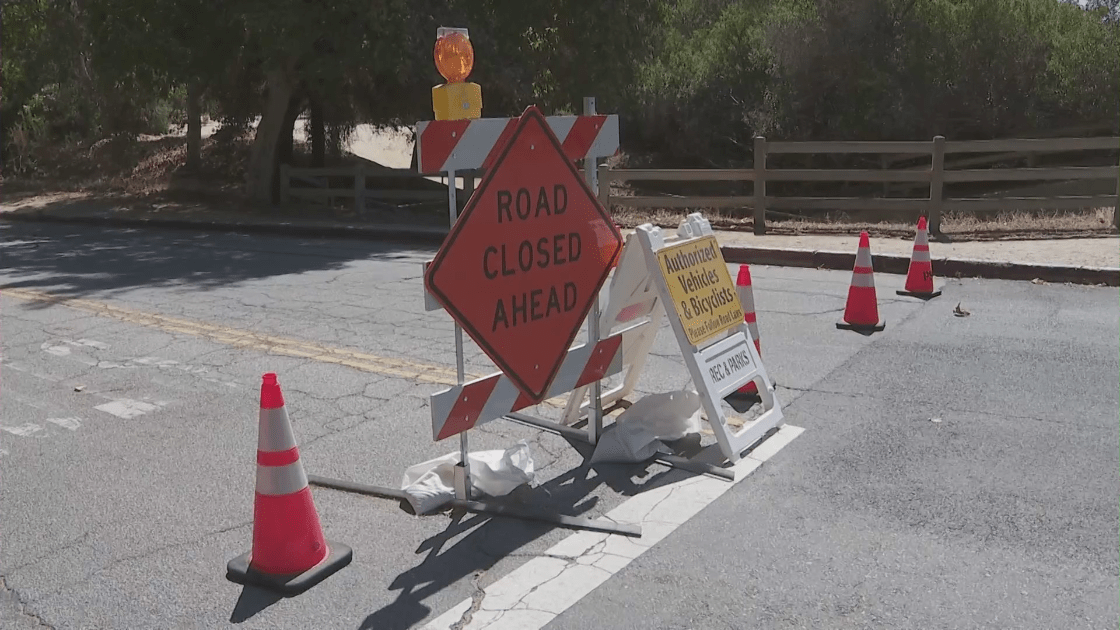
130	371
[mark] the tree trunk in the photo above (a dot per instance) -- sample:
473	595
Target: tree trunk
285	147
318	132
194	126
261	173
336	142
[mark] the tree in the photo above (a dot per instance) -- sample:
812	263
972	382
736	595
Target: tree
373	63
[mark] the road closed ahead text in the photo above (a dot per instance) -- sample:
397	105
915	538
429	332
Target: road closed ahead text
522	265
528	257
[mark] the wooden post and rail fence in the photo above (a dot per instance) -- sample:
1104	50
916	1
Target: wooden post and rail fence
319	190
932	204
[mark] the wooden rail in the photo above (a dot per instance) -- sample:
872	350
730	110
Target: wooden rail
318	189
935	176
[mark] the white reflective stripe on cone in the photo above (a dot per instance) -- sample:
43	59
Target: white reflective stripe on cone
746	298
863	280
863	257
275	433
753	327
921	255
922	238
279	480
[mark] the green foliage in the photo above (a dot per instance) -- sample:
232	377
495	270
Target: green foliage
873	69
707	89
693	79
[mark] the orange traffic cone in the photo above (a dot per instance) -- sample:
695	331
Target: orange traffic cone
862	310
746	298
289	553
919	277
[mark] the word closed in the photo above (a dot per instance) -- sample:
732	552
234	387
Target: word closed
531	255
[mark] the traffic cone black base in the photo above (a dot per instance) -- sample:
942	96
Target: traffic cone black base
882	325
239	570
924	296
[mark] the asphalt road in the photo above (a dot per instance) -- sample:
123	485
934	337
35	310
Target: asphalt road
129	389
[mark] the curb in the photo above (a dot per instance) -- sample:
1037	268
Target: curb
412	234
943	267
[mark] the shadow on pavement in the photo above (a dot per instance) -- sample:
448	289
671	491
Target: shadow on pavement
491	540
76	261
252	601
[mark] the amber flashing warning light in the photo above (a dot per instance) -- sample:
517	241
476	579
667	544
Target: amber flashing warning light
454	57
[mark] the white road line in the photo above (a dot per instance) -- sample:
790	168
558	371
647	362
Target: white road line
20	368
24	430
540	590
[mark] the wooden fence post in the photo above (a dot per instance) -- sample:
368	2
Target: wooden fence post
759	185
936	185
1116	204
604	191
359	189
285	184
884	164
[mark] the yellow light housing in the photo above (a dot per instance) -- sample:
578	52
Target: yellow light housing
454	57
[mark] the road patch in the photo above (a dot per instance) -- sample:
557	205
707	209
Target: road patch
127	408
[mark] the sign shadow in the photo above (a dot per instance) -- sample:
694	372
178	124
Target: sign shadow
493	539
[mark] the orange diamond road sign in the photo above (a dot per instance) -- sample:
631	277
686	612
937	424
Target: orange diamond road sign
522	266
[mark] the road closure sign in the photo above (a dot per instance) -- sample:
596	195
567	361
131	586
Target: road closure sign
703	294
523	264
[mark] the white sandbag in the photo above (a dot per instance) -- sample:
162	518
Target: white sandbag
431	484
626	443
668	416
638	433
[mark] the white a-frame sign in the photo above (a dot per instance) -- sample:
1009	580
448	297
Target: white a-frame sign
703	309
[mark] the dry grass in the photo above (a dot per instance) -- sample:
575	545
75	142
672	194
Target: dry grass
960	227
144	168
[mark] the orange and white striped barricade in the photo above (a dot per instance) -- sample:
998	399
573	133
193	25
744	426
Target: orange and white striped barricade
447	146
520	271
632	299
463	407
707	318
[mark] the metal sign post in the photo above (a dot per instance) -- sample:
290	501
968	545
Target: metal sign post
463	468
595	413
